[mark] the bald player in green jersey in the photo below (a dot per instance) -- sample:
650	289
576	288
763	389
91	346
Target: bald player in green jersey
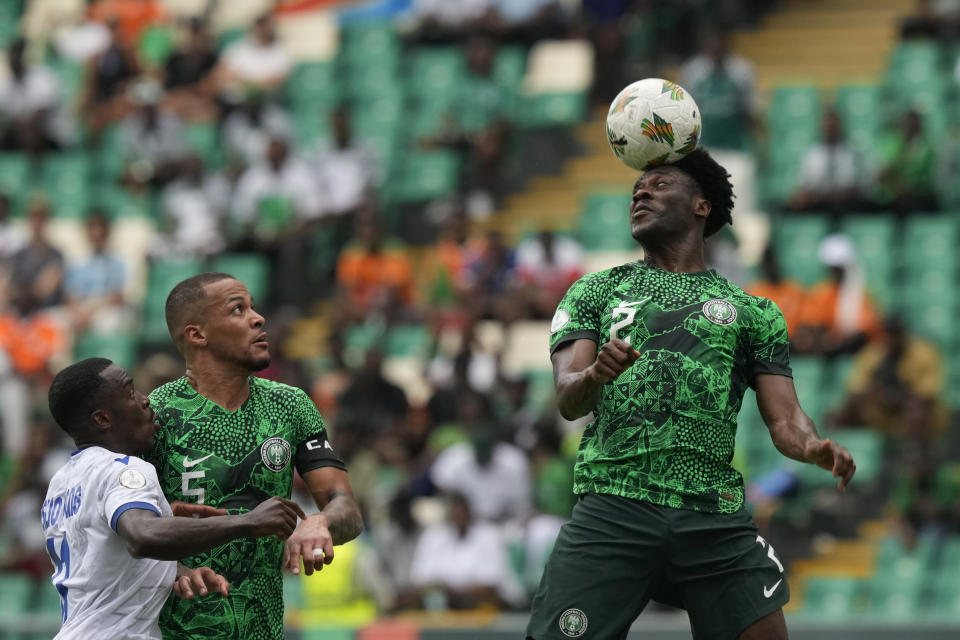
662	351
232	441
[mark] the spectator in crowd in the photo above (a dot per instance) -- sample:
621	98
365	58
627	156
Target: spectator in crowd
525	21
787	294
831	174
259	61
838	315
248	129
36	270
442	271
462	563
375	273
396	542
370	405
907	158
926	496
491	280
131	16
439	21
493	475
187	70
605	20
153	138
547	265
32	117
12	237
194	207
43	20
724	86
108	73
95	287
347	167
895	385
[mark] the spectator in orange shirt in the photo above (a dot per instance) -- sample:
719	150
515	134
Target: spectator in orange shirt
838	315
374	273
132	16
786	294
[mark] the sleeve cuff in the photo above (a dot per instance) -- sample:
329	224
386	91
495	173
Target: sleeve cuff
586	334
768	368
131	505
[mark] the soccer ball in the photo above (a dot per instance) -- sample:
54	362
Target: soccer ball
652	122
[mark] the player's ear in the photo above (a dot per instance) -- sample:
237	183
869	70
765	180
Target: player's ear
101	418
701	207
194	336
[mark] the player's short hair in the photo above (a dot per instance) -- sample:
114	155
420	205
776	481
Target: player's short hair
74	394
184	304
715	186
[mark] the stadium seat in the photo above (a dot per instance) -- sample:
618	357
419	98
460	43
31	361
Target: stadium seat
427	175
602	224
311	84
509	66
368	44
65	178
408	340
808	377
16	592
121	347
943	602
861	110
831	598
552	110
797	240
436	73
795	109
15	174
873	236
930	242
252	269
162	278
118	202
900	600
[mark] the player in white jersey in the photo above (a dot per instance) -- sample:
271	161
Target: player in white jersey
110	533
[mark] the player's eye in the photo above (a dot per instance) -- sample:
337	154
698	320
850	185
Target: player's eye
237	308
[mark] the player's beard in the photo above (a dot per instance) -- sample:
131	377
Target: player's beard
246	360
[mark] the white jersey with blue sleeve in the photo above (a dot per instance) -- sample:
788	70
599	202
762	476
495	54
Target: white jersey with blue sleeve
104	591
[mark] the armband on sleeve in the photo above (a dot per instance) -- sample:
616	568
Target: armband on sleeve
315	453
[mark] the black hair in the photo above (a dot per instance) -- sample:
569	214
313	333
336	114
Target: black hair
715	187
183	303
74	393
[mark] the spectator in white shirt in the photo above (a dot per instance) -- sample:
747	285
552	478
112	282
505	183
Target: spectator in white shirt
462	563
248	129
31	114
154	141
258	61
831	174
547	265
193	206
348	168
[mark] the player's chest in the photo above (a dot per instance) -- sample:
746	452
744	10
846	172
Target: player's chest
688	324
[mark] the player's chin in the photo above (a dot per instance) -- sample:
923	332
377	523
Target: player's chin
642	229
259	360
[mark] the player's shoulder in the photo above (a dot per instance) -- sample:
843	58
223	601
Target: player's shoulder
734	294
170	391
274	391
605	278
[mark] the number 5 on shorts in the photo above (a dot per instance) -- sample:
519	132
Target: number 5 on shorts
770	552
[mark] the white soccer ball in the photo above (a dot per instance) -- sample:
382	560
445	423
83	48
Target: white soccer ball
652	122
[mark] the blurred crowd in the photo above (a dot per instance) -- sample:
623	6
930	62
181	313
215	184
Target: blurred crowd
457	455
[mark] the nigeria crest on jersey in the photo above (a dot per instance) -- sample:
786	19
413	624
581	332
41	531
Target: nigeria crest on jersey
573	623
719	311
275	453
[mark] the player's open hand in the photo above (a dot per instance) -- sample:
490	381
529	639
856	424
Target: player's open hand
614	358
274	517
312	542
201	581
829	455
187	510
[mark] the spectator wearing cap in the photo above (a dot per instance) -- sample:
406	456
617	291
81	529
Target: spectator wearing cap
838	315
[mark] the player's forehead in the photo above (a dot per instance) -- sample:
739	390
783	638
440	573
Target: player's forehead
655	173
116	376
225	291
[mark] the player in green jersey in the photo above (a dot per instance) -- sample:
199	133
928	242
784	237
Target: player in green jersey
231	440
661	351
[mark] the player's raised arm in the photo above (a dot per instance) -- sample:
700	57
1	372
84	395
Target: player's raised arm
149	536
794	433
579	372
339	521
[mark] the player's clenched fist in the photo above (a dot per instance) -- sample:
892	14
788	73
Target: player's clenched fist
614	358
274	517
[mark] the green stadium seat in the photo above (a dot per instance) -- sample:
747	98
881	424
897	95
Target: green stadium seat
943	602
930	305
901	600
427	175
552	110
70	75
794	111
311	84
16	592
509	66
797	240
311	125
832	598
66	181
163	276
121	347
930	242
369	44
603	222
252	269
408	341
375	83
541	392
808	378
435	73
155	45
204	139
15	175
873	236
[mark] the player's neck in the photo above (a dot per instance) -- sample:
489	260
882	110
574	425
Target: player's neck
226	385
676	257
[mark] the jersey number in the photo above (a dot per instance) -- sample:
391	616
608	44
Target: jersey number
770	552
627	311
61	562
185	489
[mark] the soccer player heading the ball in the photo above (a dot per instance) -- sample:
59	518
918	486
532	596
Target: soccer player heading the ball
232	440
106	522
661	351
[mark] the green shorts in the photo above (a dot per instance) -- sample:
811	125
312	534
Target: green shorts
616	554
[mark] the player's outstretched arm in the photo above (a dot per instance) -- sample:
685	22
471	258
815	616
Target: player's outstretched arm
579	372
339	521
149	536
794	433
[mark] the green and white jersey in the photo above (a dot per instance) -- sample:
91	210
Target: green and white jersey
664	430
235	460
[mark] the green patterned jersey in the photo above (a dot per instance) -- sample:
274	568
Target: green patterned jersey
664	430
232	460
